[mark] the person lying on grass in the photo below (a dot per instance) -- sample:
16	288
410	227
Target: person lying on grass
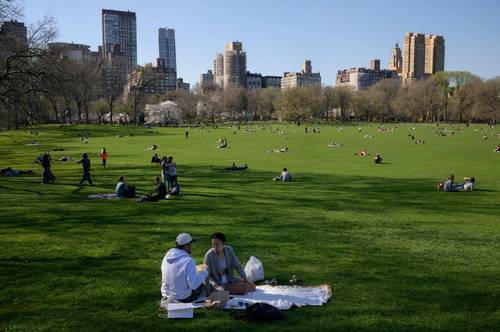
9	171
221	261
285	176
181	280
280	150
361	153
236	168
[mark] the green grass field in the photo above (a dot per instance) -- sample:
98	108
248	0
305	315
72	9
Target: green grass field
399	254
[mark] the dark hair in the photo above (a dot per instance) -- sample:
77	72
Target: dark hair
218	236
472	179
157	178
121	178
285	170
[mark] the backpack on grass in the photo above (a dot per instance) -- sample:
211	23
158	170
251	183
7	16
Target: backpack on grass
263	312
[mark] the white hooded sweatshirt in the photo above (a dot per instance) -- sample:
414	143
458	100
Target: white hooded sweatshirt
178	275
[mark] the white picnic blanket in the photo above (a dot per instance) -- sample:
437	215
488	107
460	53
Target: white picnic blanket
103	196
282	297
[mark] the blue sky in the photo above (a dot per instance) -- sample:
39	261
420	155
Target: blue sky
278	35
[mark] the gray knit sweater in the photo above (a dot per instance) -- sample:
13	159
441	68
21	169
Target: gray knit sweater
232	263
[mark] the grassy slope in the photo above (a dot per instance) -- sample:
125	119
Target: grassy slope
399	254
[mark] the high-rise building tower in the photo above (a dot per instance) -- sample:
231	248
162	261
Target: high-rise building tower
396	60
235	65
219	70
413	56
434	54
307	67
166	41
14	31
120	28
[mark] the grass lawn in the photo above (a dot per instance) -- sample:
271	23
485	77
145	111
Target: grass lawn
399	254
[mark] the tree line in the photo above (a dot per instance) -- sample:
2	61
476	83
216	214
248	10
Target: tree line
38	85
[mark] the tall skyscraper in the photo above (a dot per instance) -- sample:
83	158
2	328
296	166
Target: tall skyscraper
422	55
413	56
235	65
396	60
120	28
374	64
434	54
166	41
219	70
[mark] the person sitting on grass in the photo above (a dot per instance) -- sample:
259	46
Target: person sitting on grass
221	261
285	176
470	183
378	159
181	280
65	158
121	188
155	159
497	149
222	143
160	192
9	171
176	191
449	185
236	168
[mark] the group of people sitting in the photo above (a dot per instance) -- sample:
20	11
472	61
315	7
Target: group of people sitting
449	185
222	143
183	281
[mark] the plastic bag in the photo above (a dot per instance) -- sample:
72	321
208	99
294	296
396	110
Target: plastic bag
254	269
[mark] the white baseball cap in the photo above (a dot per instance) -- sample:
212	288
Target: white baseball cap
183	239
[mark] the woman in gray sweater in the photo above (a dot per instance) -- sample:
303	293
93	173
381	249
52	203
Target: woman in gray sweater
221	261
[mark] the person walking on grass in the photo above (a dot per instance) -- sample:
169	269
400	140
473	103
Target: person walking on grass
85	161
47	175
104	157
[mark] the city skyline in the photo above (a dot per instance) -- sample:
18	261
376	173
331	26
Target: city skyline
472	39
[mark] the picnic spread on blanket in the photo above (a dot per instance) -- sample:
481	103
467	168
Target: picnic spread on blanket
282	297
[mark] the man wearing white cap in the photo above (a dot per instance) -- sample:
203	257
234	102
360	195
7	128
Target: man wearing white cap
180	279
